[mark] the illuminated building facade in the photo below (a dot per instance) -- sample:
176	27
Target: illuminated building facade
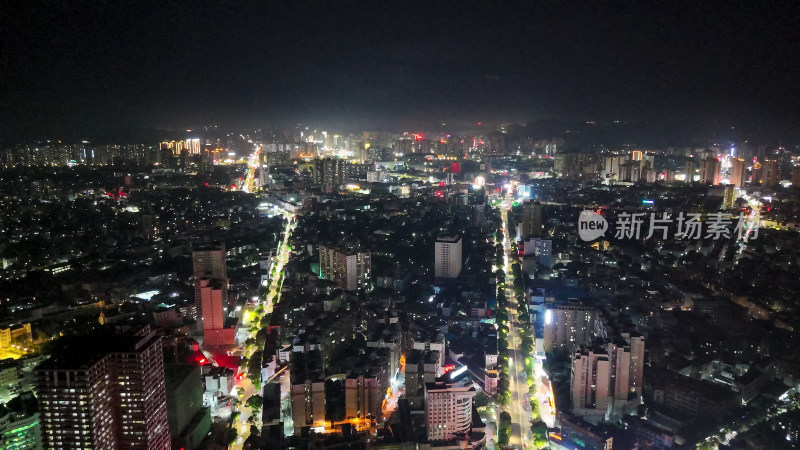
19	424
448	408
350	269
214	301
330	173
105	394
208	261
606	378
568	326
448	256
590	380
10	335
191	146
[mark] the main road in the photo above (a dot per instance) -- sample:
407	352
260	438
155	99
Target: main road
250	316
519	406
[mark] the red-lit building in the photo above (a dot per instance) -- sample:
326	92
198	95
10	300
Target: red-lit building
105	393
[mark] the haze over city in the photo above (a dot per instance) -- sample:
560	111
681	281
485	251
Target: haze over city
395	65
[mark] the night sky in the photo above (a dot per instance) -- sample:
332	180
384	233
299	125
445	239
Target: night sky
380	65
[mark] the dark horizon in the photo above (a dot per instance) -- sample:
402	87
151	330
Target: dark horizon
94	68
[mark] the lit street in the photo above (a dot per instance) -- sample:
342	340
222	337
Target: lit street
250	316
520	417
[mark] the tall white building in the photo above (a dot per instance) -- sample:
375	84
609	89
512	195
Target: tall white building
212	298
448	408
612	167
591	380
607	379
208	261
566	327
448	256
214	301
628	366
621	369
350	269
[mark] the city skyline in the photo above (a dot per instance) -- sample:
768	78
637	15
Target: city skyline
375	225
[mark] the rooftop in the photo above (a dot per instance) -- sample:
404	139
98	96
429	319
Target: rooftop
81	352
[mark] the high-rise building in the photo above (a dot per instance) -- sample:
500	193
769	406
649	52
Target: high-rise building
637	362
771	173
190	146
189	421
590	380
19	424
363	395
448	407
738	169
620	357
105	393
729	197
208	261
568	326
757	174
422	366
214	304
631	172
608	377
796	176
531	219
308	390
477	194
448	257
351	269
9	380
691	168
575	165
330	173
627	366
212	297
709	171
478	215
611	168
